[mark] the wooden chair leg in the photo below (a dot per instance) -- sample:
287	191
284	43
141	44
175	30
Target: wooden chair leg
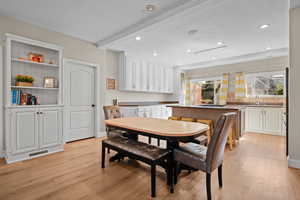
220	176
153	180
108	150
208	186
230	141
103	156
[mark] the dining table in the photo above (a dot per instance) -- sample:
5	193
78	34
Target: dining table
172	131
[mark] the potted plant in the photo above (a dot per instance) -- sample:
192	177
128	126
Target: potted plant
24	80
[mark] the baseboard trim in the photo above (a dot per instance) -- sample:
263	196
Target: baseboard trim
2	154
294	163
101	134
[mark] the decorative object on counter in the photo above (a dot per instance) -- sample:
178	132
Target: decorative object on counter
49	82
115	102
110	84
36	57
240	85
22	98
24	80
224	89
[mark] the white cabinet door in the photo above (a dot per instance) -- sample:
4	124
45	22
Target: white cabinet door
144	86
272	120
25	136
151	77
170	77
50	127
254	119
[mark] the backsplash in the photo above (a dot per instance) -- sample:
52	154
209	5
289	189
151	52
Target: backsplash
262	100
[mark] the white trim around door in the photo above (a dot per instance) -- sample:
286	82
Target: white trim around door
97	98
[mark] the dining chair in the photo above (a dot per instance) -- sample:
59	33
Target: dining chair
209	158
112	112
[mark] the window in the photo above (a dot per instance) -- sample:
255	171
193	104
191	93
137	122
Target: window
265	84
205	91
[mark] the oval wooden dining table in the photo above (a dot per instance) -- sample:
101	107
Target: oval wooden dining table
170	130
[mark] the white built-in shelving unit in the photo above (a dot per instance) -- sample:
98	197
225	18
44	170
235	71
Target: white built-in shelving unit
32	130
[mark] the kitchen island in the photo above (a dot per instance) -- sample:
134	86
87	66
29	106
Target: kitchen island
208	112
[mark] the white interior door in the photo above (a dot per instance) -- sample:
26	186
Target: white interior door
79	101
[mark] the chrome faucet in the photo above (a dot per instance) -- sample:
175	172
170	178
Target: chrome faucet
257	100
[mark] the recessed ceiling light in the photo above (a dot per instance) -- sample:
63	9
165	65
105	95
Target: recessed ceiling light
220	43
155	54
264	26
138	38
268	48
189	51
149	8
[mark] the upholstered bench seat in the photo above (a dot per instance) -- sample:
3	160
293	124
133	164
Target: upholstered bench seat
137	148
149	154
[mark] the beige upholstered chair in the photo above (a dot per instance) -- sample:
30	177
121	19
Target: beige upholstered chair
112	112
207	159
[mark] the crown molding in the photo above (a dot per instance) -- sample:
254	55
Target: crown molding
238	59
294	4
159	17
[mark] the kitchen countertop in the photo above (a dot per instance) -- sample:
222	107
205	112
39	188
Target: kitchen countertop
229	106
146	103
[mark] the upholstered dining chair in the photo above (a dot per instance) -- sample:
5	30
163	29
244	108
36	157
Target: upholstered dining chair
209	158
112	112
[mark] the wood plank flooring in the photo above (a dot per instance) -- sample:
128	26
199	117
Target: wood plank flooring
255	169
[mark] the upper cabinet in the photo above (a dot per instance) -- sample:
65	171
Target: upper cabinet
142	76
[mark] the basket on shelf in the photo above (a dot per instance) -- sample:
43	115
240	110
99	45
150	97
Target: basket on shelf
24	80
25	84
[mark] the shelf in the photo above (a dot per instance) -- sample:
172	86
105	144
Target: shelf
36	63
35	106
34	88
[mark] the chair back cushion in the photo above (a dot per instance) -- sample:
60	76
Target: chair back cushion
216	147
111	112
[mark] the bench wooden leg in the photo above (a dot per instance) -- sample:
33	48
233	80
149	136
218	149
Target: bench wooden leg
103	156
153	180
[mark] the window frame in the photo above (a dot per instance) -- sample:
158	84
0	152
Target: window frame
255	74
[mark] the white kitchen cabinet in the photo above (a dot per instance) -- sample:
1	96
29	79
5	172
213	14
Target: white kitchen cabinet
24	125
264	120
254	119
50	127
142	76
33	132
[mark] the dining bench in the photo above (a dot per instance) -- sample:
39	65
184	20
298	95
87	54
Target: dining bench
146	153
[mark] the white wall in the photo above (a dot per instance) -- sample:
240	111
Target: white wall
294	111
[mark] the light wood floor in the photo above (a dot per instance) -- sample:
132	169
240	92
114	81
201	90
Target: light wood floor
256	169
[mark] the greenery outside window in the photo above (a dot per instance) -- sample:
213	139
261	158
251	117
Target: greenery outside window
205	91
265	84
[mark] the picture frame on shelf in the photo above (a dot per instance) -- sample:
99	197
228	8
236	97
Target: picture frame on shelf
49	82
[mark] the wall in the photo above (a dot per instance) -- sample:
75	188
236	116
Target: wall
79	50
264	65
1	108
294	111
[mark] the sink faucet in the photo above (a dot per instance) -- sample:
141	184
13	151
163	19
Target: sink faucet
257	100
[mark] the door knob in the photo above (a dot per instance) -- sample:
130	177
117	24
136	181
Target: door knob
93	105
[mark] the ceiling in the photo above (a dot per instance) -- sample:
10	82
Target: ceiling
115	24
90	20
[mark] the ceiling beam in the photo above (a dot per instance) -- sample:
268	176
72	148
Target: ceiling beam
237	59
159	17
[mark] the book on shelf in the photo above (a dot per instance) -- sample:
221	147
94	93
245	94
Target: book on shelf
22	98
